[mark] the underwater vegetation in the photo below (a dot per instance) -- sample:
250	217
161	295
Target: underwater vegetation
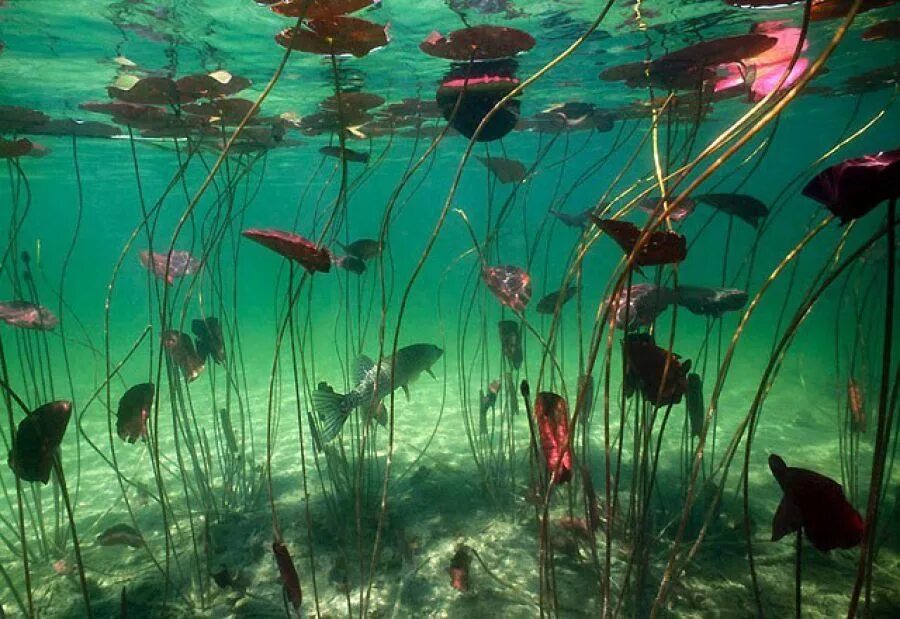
452	308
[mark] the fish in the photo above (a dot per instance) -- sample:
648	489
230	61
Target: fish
364	249
26	315
347	154
209	339
181	351
640	305
375	381
349	263
133	412
710	301
38	436
120	535
551	414
693	402
180	263
511	342
818	505
547	304
651	205
578	220
458	570
290	581
505	170
746	208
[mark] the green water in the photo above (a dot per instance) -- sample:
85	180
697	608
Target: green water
372	524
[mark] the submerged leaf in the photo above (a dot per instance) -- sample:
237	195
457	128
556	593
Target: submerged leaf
659	247
511	285
133	412
293	246
38	436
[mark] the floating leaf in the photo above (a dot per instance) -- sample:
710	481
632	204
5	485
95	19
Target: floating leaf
338	36
478	43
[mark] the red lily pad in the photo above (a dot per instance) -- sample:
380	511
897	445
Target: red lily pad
690	67
655	372
551	414
660	247
151	91
26	315
288	572
229	111
478	43
167	267
854	187
511	285
339	36
211	85
16	119
319	9
11	149
293	246
818	505
883	31
133	412
181	351
38	437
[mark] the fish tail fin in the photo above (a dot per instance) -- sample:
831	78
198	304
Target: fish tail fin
332	410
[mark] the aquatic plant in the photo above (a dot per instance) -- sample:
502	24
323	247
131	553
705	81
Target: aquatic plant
278	262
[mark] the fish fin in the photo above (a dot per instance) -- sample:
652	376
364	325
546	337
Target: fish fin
787	519
430	373
317	440
405	390
363	365
332	413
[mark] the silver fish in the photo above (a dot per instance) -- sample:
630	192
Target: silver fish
374	383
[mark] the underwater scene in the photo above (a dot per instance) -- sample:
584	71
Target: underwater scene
449	308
